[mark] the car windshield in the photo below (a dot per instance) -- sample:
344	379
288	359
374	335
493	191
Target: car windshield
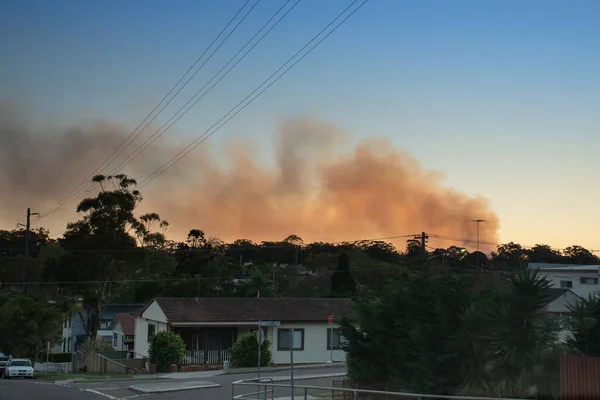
4	359
20	363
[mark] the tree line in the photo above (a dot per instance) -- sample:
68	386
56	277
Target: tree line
112	254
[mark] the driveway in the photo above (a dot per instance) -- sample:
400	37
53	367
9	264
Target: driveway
120	390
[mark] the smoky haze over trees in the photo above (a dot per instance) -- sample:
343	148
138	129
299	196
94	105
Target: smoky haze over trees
115	251
318	186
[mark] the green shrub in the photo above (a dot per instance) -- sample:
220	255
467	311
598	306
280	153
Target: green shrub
244	352
60	357
166	348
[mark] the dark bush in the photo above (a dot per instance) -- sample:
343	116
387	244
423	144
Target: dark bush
244	352
166	348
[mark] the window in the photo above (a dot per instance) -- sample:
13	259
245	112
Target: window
566	284
336	340
115	339
283	339
103	325
588	281
69	343
151	331
64	345
20	363
70	322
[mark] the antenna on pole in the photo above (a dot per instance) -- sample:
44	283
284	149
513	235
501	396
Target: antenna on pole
477	221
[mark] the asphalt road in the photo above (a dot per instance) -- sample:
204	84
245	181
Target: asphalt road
16	389
119	390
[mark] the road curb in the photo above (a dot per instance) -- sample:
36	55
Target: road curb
238	371
179	388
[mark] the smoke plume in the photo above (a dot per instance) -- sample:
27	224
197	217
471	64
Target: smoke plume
315	188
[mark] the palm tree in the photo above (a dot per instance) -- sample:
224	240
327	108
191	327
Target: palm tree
521	330
503	336
585	326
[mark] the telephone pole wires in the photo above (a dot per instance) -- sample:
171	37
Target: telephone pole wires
424	238
27	240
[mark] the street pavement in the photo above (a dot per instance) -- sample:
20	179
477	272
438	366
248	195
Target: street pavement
16	389
214	387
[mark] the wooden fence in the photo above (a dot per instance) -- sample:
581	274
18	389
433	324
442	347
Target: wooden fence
579	377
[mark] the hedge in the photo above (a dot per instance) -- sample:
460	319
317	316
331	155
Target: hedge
55	358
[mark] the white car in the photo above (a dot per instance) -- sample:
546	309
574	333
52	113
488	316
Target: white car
18	368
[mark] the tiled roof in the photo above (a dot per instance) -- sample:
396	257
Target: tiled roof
127	322
253	309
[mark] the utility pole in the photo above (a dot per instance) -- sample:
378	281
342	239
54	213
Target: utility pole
477	221
424	238
27	239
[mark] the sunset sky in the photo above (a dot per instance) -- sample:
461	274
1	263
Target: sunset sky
502	97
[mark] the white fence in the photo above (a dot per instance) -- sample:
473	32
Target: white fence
53	367
198	357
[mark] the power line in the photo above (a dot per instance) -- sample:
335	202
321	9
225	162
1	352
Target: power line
488	243
207	133
127	139
194	279
170	122
158	133
219	278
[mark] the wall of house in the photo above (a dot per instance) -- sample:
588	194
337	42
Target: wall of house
315	344
141	344
561	304
580	289
154	313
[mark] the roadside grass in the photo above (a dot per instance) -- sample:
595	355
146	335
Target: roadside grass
57	376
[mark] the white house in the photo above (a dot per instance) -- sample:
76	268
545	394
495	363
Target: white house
583	280
558	302
209	326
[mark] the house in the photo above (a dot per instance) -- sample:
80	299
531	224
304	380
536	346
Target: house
583	280
558	301
209	326
557	304
123	330
74	330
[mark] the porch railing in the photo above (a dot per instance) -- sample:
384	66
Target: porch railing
199	357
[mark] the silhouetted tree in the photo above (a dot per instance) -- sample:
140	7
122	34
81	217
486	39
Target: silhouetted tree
342	283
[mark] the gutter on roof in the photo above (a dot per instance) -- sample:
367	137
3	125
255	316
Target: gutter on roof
236	323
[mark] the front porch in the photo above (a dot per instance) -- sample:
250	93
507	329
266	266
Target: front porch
207	345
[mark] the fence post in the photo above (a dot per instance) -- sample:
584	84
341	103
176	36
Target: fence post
305	393
355	396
